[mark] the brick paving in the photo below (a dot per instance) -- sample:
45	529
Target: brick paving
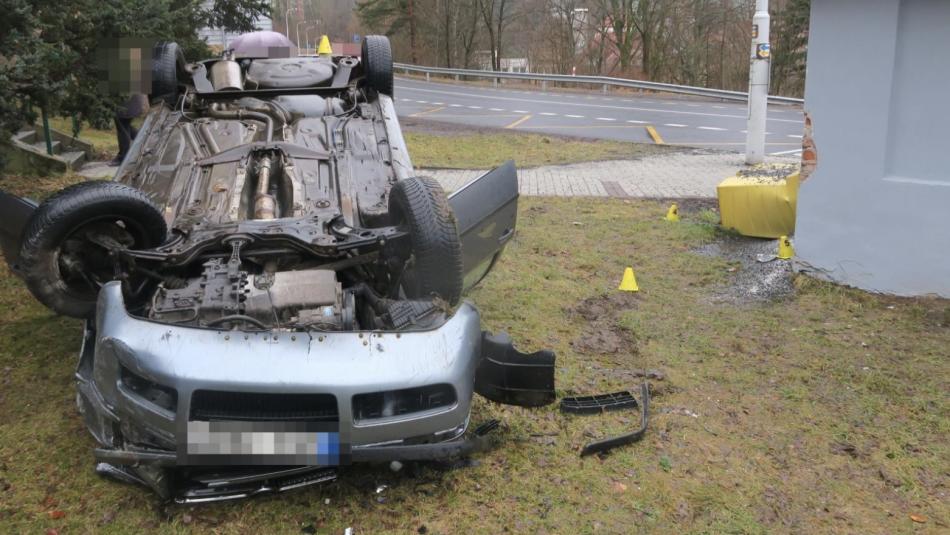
683	174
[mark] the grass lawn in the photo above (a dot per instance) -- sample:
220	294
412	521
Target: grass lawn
826	411
482	150
460	149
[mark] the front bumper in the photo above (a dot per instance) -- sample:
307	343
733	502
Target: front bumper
185	360
137	381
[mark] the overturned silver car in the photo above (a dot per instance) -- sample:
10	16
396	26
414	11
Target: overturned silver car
269	290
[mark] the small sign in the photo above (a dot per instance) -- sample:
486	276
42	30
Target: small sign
755	31
356	38
762	51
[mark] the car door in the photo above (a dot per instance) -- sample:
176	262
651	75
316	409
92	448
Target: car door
486	210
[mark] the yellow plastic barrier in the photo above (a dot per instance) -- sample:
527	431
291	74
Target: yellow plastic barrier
759	206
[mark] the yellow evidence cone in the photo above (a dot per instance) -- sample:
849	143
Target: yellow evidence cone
785	249
324	48
629	282
673	214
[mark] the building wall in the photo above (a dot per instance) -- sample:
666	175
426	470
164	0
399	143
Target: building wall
876	211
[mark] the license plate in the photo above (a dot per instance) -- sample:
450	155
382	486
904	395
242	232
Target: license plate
262	443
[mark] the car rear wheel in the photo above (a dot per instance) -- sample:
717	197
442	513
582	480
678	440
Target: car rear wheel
168	62
68	245
435	267
378	63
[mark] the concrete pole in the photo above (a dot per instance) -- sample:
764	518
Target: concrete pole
759	68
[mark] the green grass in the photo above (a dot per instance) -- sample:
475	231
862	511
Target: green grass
824	412
457	150
484	150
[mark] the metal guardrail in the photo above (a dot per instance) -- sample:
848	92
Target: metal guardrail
605	81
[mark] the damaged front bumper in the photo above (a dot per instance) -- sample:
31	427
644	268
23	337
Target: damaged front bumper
381	395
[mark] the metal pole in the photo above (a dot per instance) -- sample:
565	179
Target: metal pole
46	132
758	84
298	34
306	38
287	22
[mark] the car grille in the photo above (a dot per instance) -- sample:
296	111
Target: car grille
210	405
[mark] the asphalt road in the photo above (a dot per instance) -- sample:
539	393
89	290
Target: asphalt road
625	117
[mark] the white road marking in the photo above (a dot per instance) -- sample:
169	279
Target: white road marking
438	104
496	109
710	128
422	101
575	116
636	122
474	107
693	105
606	119
592	105
795	136
785	152
719	107
455	105
546	113
519	111
674	125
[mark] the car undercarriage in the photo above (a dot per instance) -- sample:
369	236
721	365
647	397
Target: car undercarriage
269	290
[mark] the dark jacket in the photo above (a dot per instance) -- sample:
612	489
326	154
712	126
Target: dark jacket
135	106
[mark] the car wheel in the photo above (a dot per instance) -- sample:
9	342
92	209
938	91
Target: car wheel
65	256
378	63
168	61
420	205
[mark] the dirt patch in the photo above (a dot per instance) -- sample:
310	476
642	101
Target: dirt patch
753	279
604	335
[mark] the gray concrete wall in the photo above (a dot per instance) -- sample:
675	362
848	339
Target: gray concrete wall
876	212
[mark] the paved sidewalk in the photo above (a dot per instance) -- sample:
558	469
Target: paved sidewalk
678	174
685	174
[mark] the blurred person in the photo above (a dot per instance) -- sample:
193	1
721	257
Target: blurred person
136	106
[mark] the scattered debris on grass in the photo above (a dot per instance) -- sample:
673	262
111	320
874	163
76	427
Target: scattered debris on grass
753	281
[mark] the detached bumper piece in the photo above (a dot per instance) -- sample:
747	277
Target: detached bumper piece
505	375
610	402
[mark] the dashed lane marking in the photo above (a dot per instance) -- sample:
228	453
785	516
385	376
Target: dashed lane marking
675	125
606	119
715	128
575	116
547	113
592	105
636	122
793	151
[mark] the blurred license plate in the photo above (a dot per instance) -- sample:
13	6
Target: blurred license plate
262	443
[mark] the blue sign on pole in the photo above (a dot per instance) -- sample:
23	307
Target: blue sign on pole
356	38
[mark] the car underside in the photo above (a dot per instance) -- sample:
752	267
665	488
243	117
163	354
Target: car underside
269	290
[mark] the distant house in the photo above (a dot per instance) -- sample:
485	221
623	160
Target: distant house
218	38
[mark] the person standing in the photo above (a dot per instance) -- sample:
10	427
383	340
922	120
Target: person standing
135	106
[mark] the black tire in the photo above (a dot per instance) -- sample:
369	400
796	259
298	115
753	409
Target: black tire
377	59
420	204
60	267
168	62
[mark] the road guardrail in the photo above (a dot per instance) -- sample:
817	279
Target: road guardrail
605	81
